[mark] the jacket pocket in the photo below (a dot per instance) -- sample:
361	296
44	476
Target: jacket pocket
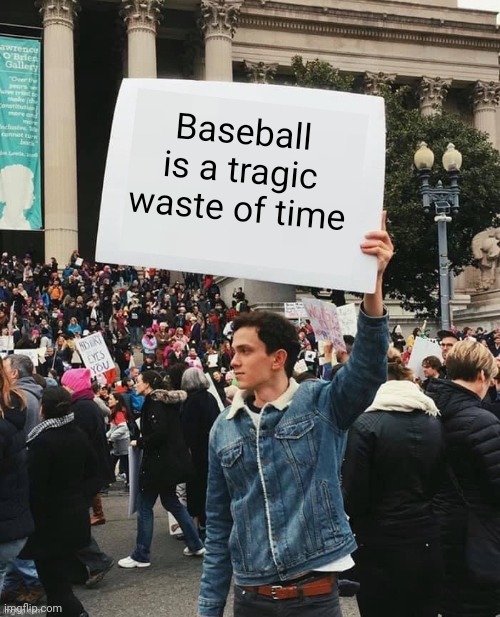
230	455
297	439
235	471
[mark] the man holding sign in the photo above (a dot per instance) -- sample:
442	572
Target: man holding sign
275	516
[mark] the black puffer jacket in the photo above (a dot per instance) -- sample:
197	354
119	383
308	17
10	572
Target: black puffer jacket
89	418
166	460
393	467
15	516
472	436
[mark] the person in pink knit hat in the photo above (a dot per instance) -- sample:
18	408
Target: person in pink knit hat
89	418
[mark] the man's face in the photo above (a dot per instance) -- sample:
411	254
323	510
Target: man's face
429	371
253	366
446	344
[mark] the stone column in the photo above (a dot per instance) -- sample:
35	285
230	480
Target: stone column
486	97
374	81
260	72
432	93
219	21
60	187
141	17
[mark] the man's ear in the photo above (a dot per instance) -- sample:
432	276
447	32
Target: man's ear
280	357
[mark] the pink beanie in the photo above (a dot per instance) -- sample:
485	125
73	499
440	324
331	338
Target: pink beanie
77	379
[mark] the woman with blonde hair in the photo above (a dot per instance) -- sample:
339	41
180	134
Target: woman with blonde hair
393	468
472	484
16	522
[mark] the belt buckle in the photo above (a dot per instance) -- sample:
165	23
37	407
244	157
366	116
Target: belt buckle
274	590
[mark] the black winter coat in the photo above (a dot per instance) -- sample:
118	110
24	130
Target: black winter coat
394	465
64	477
472	437
15	516
198	414
166	460
89	418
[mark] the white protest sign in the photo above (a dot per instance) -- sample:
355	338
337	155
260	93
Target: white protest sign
31	353
421	349
6	342
294	310
325	322
348	319
213	391
300	367
273	168
95	354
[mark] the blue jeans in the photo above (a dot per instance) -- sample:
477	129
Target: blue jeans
8	551
21	571
145	517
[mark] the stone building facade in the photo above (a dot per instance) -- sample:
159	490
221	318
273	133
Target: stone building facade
449	55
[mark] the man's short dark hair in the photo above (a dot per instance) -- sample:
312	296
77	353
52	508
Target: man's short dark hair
22	364
275	332
432	362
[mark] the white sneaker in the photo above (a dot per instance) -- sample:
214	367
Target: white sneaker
199	553
128	562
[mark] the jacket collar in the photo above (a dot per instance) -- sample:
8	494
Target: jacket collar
280	403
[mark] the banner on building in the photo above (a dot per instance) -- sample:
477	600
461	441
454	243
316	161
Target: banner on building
20	165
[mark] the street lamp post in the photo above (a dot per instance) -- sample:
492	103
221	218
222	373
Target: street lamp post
445	202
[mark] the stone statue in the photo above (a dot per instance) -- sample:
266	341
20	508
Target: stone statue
486	251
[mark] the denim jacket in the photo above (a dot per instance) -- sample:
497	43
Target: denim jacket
274	503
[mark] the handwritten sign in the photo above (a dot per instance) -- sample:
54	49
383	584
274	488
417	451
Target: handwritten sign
325	322
95	354
237	160
294	310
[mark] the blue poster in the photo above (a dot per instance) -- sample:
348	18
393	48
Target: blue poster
20	174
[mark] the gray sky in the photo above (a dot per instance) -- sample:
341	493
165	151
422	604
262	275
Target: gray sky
487	5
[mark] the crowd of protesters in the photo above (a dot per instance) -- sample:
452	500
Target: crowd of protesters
42	307
182	331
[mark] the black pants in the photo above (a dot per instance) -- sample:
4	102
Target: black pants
250	604
87	561
54	576
399	581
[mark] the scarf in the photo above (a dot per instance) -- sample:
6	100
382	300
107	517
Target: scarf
402	396
48	424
